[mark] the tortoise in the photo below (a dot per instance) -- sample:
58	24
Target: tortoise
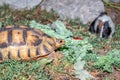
25	43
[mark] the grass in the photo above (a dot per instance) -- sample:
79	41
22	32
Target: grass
116	38
9	16
17	70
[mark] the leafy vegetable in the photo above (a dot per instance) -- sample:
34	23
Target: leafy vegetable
59	31
80	72
74	50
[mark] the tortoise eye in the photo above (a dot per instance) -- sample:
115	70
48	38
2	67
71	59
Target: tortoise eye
60	41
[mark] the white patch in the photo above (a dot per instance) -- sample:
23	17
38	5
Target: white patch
105	18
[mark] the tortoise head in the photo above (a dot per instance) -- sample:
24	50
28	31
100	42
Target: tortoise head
58	42
54	42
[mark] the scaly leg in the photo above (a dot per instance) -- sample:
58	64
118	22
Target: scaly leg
54	55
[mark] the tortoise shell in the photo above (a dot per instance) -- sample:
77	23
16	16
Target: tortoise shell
22	42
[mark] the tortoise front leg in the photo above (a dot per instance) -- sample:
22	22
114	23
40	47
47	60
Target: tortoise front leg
54	55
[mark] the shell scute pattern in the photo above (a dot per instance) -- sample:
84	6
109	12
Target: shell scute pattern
21	42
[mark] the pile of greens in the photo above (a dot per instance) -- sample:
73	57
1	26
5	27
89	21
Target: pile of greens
57	29
74	50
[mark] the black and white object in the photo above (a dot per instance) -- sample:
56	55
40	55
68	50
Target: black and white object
103	25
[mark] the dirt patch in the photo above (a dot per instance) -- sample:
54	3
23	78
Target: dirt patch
104	75
114	13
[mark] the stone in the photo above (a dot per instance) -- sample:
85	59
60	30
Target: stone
85	10
20	4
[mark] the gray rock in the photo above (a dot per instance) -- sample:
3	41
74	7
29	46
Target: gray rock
21	4
85	10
